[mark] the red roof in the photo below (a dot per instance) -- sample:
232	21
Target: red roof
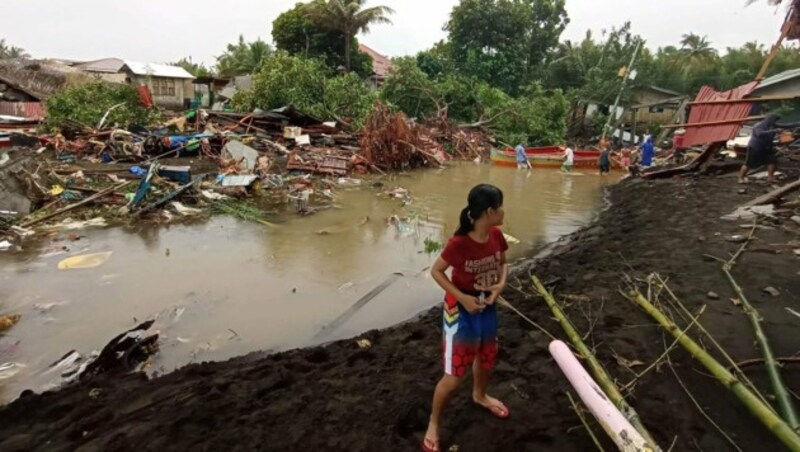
704	113
381	65
27	110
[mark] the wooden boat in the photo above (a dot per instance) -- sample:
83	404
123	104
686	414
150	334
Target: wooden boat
548	157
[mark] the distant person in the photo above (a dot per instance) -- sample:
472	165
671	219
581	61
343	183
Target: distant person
648	151
677	145
477	253
522	158
761	148
569	159
605	160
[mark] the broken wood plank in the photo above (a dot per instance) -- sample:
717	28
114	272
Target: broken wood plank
773	195
99	195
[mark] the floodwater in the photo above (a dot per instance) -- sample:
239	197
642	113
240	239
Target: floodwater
224	287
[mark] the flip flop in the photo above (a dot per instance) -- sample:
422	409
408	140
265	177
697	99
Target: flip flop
429	445
500	412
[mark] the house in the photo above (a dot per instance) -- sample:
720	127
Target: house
171	86
651	104
784	85
207	90
25	83
381	66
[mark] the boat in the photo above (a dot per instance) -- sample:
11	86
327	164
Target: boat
548	157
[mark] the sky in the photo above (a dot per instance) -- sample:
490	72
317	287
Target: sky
167	30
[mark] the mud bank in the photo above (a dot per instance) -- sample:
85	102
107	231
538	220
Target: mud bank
343	397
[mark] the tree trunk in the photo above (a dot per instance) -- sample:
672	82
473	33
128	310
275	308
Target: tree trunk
347	40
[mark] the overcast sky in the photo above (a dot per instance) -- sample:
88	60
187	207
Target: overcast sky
166	30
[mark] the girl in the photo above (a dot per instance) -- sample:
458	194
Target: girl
477	253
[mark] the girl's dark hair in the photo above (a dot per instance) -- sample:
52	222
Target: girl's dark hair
481	198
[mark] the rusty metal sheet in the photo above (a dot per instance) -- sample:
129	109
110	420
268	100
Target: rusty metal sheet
27	110
717	112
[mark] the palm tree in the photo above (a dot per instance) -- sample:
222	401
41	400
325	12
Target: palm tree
7	51
348	17
697	48
242	58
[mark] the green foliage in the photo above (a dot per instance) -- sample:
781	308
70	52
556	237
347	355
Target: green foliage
503	42
296	32
349	17
432	246
242	58
348	98
307	84
88	102
410	89
196	69
9	51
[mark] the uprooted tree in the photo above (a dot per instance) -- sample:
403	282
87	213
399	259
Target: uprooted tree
87	103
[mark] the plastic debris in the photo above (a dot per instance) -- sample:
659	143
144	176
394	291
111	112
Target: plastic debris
8	370
184	210
7	321
5	244
71	225
84	261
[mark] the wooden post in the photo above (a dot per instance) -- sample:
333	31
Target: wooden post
787	25
633	126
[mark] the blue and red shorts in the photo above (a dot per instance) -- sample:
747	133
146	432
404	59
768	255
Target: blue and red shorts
467	337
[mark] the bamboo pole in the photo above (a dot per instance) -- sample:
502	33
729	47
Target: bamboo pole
781	395
595	367
761	411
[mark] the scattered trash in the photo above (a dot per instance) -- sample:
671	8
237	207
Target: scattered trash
244	156
84	261
348	182
793	312
8	370
5	244
736	301
46	307
71	225
628	363
771	291
238	181
364	343
748	213
712	295
511	239
185	211
7	321
210	195
95	393
736	238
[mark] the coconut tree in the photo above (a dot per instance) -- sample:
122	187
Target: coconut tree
697	48
9	51
349	17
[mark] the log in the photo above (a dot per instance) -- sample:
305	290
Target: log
756	407
690	167
76	205
603	379
773	195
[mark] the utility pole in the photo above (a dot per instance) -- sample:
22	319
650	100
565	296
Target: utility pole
622	90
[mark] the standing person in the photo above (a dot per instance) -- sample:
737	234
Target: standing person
569	159
761	149
648	151
522	158
605	161
477	253
677	145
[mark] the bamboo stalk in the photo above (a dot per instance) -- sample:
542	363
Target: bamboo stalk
577	410
595	367
781	395
760	410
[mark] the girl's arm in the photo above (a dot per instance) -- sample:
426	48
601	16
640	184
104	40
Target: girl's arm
438	273
500	285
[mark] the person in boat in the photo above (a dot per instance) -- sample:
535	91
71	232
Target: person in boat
477	254
522	158
761	148
648	151
569	158
605	160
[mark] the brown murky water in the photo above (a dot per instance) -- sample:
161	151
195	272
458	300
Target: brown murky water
225	287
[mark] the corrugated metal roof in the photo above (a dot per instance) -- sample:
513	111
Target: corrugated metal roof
107	65
779	78
27	110
158	70
717	112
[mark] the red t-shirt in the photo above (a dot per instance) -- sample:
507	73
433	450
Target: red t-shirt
677	141
473	262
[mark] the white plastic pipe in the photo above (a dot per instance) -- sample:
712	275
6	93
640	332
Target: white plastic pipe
613	422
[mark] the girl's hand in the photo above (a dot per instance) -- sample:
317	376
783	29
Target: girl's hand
494	292
470	303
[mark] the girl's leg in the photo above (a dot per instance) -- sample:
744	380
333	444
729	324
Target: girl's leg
444	390
480	377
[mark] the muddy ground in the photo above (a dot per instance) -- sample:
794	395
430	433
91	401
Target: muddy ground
341	397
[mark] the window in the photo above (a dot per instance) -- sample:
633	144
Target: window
163	87
657	109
